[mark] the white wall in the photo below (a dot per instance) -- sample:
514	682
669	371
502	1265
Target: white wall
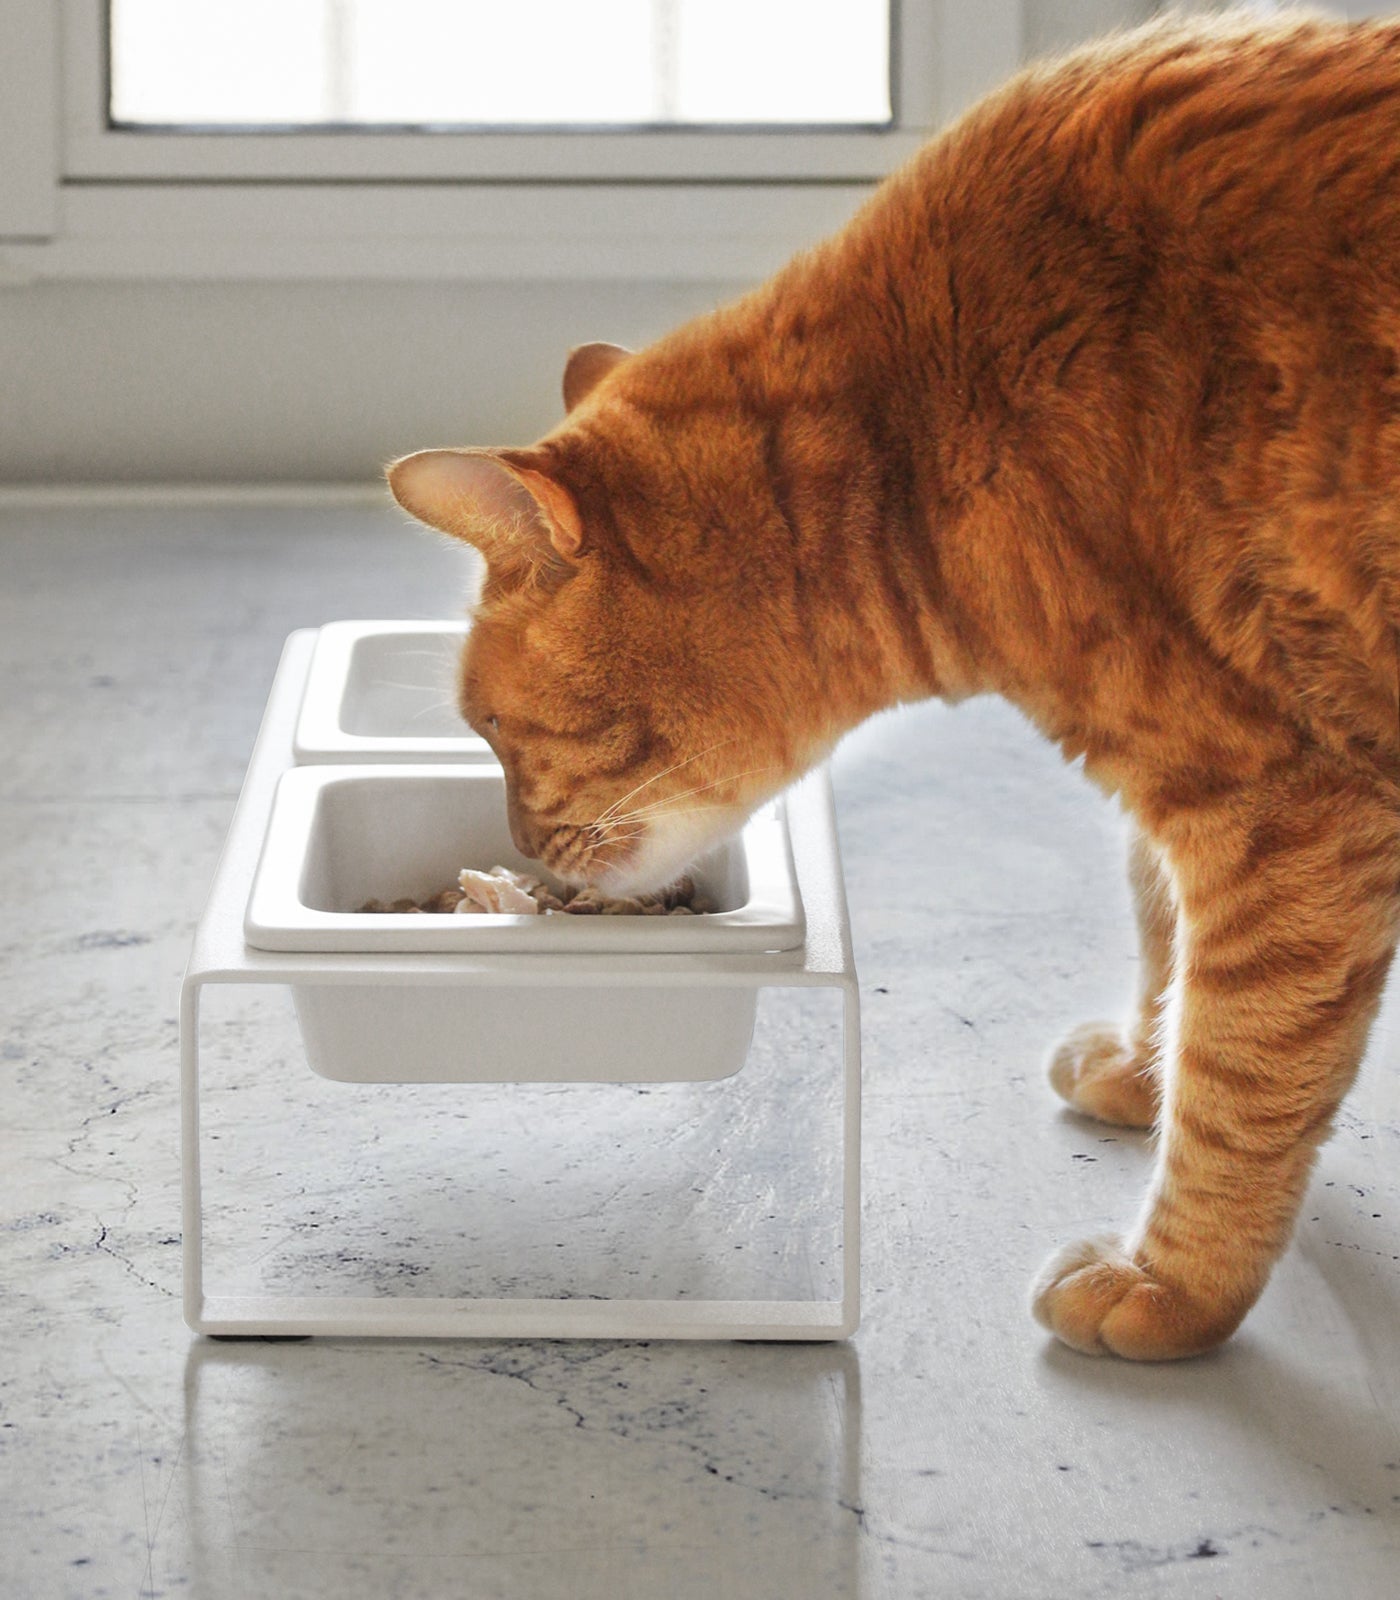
297	381
1052	25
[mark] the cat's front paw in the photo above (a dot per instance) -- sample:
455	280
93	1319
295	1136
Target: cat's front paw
1099	1073
1096	1298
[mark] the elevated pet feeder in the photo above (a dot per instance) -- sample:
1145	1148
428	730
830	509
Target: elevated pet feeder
473	999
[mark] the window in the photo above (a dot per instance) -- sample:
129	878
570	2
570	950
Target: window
477	64
285	141
554	90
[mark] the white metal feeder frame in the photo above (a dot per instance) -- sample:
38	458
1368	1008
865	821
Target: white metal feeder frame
221	955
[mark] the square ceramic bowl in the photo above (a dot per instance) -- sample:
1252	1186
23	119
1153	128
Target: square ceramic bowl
339	836
385	691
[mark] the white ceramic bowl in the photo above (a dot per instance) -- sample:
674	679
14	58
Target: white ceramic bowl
370	1032
339	836
385	691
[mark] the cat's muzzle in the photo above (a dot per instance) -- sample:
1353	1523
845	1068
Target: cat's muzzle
587	855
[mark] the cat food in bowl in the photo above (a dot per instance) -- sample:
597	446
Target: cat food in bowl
342	837
502	892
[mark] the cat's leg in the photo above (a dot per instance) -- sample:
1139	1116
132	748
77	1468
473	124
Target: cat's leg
1107	1071
1287	903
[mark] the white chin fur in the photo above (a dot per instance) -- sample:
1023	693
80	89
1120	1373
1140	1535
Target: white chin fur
668	847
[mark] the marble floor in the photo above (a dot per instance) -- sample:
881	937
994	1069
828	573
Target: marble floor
948	1449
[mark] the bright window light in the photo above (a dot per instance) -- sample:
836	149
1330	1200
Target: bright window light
485	63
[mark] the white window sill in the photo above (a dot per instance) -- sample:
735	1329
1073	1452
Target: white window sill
252	232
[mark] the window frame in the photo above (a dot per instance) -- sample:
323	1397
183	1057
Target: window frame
82	199
29	72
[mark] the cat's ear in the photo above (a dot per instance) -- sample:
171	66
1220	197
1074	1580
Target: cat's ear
586	366
512	513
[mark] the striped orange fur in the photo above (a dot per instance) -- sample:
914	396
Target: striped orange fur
1095	405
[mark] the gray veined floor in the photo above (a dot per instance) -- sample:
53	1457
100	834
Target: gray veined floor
948	1450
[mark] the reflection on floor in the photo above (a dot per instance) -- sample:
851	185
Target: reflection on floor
948	1450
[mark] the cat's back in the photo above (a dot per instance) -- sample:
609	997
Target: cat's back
1172	206
1186	244
1238	190
1227	157
1213	124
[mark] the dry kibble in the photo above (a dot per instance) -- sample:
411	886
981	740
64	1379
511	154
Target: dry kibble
512	893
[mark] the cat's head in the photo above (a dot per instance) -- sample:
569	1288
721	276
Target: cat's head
627	669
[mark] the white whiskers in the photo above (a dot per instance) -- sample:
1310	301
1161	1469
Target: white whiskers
606	815
621	829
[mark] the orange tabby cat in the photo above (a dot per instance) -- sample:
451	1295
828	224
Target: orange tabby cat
1095	405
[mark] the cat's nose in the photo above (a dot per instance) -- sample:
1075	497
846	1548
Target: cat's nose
521	833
